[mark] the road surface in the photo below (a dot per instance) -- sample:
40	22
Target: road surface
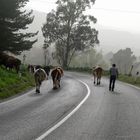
105	115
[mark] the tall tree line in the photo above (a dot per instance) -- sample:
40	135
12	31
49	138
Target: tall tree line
13	20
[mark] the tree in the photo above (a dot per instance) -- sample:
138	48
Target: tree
13	20
89	58
70	29
124	60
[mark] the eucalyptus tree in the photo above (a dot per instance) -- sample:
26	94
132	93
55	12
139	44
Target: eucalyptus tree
124	60
14	20
70	29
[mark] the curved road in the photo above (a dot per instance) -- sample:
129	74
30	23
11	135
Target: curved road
26	117
104	116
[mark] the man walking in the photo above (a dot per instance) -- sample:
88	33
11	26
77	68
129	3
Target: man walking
113	75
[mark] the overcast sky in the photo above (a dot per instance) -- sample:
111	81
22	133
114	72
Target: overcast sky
119	14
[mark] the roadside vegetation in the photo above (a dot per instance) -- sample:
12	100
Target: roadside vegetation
12	83
130	79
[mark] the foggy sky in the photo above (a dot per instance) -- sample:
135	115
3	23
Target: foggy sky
119	14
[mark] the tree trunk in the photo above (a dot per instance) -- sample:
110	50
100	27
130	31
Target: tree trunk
65	61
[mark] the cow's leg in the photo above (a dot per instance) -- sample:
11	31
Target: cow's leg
54	84
37	89
94	78
37	84
59	81
97	81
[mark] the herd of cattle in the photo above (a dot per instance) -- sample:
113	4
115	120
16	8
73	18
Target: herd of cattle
42	73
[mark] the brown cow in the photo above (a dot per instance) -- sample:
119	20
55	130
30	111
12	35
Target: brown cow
97	73
39	75
13	62
9	61
56	75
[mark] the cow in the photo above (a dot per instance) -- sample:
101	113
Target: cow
47	70
9	61
97	74
3	58
56	75
13	62
39	75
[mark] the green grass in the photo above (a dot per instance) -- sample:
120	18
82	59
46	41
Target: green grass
130	80
11	83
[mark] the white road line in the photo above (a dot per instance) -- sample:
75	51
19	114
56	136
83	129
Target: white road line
68	116
130	85
17	97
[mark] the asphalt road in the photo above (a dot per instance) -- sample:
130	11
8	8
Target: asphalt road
104	116
26	117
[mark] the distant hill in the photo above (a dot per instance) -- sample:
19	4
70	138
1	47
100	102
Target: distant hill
112	40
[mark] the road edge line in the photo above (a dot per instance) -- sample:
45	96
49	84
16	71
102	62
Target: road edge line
68	116
136	87
133	86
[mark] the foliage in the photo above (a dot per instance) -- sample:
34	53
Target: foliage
70	29
13	20
130	79
124	60
11	83
88	58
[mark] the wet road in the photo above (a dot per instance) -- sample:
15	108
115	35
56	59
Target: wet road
104	116
28	116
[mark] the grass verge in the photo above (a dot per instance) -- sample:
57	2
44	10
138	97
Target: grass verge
11	83
130	79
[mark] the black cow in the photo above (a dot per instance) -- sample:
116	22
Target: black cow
9	61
